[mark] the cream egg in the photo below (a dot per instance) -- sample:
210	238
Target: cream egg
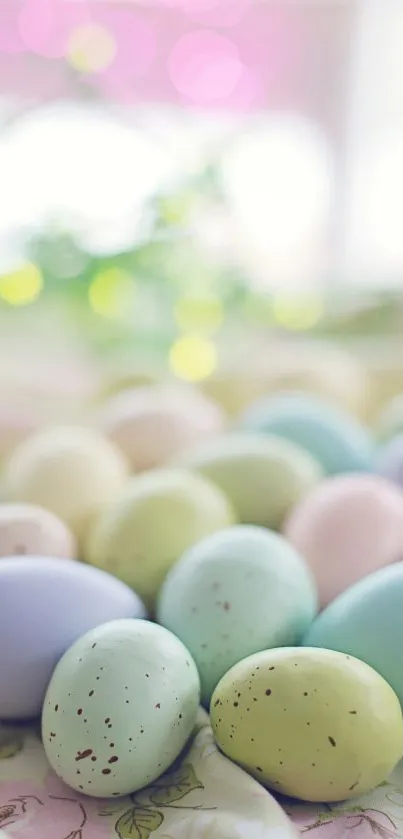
31	530
152	424
71	471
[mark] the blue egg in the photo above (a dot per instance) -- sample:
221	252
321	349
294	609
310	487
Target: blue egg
366	621
335	439
389	461
45	605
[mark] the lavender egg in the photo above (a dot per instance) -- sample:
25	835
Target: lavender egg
389	461
46	605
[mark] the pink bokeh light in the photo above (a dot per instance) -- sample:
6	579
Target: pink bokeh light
204	67
45	26
216	13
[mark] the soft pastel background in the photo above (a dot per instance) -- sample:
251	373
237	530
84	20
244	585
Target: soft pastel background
210	190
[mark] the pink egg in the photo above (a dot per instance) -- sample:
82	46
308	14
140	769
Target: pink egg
153	424
346	528
33	531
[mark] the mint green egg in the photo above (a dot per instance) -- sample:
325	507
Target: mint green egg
333	438
237	592
120	707
263	477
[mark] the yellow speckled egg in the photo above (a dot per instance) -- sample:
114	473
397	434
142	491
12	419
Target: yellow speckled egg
309	723
152	424
71	471
155	519
27	529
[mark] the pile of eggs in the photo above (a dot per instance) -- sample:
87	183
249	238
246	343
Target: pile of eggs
164	557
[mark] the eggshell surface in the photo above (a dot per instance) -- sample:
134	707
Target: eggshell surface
263	477
310	724
72	471
346	528
152	424
234	593
158	516
45	605
367	621
336	440
120	707
27	529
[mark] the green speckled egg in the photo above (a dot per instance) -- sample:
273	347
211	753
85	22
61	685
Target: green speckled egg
120	707
156	518
308	723
264	477
236	592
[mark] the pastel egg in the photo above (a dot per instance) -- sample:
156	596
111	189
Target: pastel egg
346	528
73	472
389	461
155	519
152	424
120	707
45	605
310	724
27	529
337	441
234	593
367	621
264	477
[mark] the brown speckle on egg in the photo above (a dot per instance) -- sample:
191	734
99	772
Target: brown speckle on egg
79	711
113	759
106	771
268	692
332	741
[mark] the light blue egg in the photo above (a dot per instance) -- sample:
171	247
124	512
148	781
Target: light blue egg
366	621
389	461
237	592
45	605
335	439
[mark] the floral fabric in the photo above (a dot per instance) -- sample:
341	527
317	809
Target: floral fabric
204	796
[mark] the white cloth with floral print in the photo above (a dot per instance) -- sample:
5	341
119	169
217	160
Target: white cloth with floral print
204	796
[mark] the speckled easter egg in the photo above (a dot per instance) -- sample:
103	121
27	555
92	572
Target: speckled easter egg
311	724
264	477
155	519
45	605
234	593
152	424
389	461
367	621
27	529
71	471
120	707
346	528
338	442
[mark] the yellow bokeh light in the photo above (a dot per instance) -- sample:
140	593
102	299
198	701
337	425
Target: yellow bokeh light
22	286
91	48
193	358
111	293
296	313
199	313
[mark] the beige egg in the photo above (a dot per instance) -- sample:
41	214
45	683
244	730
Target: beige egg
153	424
154	520
27	529
71	471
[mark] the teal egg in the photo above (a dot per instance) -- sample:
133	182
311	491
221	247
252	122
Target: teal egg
242	590
366	621
336	440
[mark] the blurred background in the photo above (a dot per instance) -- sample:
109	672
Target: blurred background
208	190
